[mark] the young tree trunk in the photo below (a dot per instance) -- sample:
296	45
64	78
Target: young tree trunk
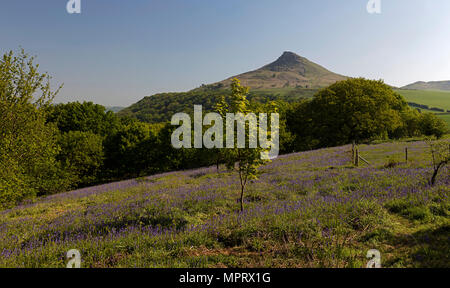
218	160
242	198
435	173
433	178
243	183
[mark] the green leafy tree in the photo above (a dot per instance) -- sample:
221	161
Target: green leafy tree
82	155
245	160
83	117
353	110
431	125
410	126
122	155
84	127
28	148
300	125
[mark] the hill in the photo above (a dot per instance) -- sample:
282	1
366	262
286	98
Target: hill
311	209
433	85
288	78
289	70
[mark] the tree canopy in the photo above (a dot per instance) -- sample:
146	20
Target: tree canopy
28	148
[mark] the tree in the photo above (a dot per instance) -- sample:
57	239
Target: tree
440	155
221	108
354	110
410	125
300	125
28	148
82	155
122	157
431	125
245	160
83	117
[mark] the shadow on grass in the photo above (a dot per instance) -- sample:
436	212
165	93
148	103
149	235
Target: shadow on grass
429	248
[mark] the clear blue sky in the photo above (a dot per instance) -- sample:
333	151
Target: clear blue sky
116	52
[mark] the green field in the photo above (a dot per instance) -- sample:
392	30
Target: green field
432	98
437	99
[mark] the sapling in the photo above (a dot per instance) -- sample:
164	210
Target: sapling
440	154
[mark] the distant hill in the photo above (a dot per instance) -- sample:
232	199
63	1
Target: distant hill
433	85
288	71
114	109
289	78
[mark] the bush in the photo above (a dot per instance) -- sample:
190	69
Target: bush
431	125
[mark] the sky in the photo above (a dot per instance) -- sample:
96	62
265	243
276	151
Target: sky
116	52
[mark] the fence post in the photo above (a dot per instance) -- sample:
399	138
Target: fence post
356	157
353	153
406	154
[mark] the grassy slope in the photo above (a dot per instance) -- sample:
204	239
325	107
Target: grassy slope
309	209
439	99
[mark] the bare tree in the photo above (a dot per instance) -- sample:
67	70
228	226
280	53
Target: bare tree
440	154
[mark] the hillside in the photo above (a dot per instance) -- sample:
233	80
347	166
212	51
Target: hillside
433	85
436	99
311	209
289	70
161	107
289	78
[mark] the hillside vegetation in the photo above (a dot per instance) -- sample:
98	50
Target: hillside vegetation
310	209
432	85
161	107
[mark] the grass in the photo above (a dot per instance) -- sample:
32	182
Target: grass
446	118
311	209
434	99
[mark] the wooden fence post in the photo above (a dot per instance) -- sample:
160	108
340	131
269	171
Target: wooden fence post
406	154
353	153
356	157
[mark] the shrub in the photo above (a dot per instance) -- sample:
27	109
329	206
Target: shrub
431	125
